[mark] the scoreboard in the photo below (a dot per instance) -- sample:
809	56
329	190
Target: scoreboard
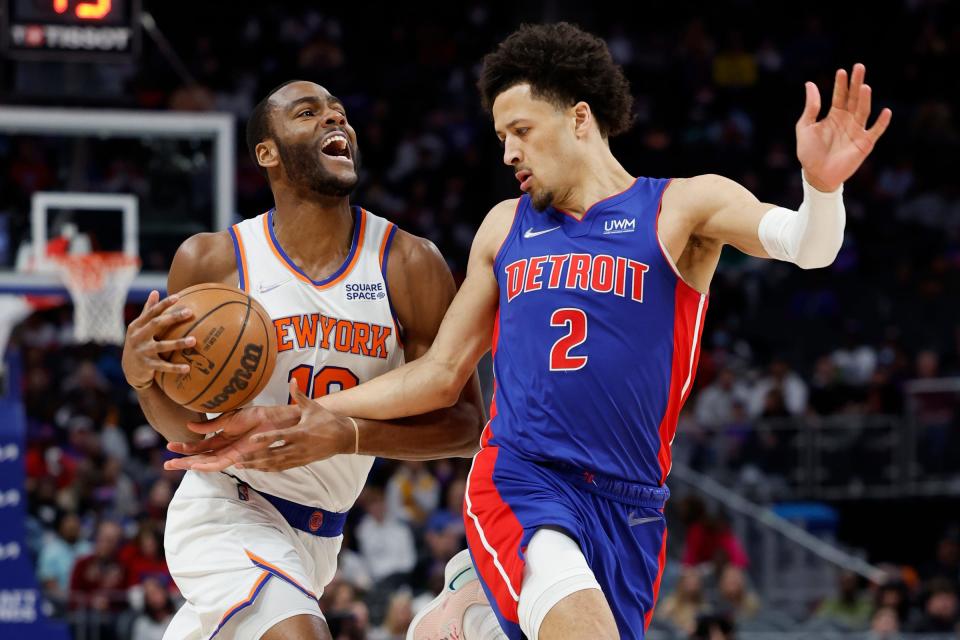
70	30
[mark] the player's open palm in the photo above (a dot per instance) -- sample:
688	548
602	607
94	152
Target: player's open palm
266	438
832	149
232	437
318	435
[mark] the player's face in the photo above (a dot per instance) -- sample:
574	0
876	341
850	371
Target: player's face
317	146
538	143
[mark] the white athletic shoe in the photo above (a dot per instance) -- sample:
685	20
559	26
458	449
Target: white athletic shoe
442	618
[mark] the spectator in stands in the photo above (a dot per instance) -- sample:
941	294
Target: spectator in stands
115	490
828	392
151	623
789	386
682	608
385	542
444	537
855	361
734	594
398	618
947	562
885	624
351	566
894	595
112	439
850	607
98	579
346	615
142	557
709	537
713	627
158	499
941	612
412	494
715	403
58	555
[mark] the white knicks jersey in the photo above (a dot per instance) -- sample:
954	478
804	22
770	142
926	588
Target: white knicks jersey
331	335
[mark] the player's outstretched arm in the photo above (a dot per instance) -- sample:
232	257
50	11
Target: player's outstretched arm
438	387
199	259
450	345
829	150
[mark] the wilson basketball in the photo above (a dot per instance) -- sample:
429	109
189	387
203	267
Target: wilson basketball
233	357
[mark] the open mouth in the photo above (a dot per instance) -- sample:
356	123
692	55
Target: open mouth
336	145
524	176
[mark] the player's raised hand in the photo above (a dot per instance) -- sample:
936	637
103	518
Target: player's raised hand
232	437
832	149
141	350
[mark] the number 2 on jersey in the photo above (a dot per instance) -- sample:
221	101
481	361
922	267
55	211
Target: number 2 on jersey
575	320
328	380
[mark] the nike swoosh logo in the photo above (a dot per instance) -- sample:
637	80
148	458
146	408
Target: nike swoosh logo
270	287
530	233
633	520
453	581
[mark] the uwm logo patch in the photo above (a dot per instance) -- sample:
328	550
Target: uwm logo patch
623	225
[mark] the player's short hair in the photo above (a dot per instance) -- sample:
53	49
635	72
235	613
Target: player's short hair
563	64
258	124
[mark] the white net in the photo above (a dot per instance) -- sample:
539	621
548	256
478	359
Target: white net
98	284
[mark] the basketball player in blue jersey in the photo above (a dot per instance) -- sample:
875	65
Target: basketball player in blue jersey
592	290
351	297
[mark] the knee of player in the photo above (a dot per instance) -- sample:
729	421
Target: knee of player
560	592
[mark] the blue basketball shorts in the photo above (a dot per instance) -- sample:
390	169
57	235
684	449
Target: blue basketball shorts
619	526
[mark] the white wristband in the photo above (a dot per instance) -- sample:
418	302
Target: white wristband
810	237
356	434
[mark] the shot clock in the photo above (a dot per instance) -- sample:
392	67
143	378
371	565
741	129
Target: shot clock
70	30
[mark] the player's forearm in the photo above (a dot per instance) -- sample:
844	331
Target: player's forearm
167	417
810	237
445	433
416	388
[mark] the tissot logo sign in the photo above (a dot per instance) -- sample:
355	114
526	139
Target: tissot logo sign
77	38
71	30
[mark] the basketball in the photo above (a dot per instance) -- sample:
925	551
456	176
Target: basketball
234	354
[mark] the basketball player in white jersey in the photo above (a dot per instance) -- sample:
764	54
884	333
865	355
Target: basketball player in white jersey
252	551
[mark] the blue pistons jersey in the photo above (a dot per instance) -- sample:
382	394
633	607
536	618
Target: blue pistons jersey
596	339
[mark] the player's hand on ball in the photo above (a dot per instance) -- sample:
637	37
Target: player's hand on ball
832	149
141	350
267	438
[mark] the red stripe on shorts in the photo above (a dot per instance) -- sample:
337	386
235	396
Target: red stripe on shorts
493	534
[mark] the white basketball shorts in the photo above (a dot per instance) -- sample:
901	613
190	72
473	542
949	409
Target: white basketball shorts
240	565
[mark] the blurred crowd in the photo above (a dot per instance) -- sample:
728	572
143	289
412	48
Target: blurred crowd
710	587
717	89
98	494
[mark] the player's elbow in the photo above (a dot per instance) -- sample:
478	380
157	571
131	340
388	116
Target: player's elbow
449	390
824	257
814	263
449	378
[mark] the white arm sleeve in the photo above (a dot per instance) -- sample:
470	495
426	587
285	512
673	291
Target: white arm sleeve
811	237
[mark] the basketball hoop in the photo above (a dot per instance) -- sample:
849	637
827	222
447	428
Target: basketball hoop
98	284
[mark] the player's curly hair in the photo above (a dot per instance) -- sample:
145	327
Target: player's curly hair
564	65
